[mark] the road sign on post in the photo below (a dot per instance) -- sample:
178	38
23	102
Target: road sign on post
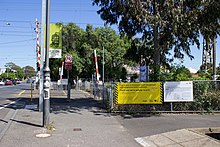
68	62
68	58
68	67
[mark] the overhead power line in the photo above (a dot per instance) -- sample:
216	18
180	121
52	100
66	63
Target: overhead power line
24	32
53	10
78	23
15	35
16	41
12	26
39	3
1	20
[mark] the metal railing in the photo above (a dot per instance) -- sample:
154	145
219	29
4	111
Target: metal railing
206	98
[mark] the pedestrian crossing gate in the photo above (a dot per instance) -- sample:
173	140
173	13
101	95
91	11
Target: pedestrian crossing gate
139	93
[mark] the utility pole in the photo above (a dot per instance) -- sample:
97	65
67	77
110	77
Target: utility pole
207	54
103	73
214	58
46	101
42	57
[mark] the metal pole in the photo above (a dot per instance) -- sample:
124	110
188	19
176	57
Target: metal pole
96	67
103	73
68	87
46	109
171	107
31	92
42	59
38	54
214	58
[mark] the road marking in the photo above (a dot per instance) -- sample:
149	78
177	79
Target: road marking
142	142
85	92
21	92
6	105
64	92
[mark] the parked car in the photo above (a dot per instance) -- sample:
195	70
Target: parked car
14	82
2	83
8	82
18	82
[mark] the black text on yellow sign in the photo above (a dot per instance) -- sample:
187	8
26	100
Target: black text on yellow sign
139	93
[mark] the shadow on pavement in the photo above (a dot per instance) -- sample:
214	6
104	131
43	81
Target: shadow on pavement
61	105
26	123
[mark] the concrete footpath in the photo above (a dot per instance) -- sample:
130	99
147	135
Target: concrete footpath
83	122
79	123
178	138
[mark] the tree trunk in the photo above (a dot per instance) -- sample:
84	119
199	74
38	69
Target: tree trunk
156	47
156	55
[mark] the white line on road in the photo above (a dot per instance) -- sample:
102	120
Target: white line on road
142	142
6	105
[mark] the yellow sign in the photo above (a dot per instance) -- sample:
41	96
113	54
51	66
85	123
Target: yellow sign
55	36
139	93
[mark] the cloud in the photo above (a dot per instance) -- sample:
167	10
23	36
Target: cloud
192	70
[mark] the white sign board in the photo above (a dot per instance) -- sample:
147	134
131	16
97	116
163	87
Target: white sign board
55	53
64	82
178	91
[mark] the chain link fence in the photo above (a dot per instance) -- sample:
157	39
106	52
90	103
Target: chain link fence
206	98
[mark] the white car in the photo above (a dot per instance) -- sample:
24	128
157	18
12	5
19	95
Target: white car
2	83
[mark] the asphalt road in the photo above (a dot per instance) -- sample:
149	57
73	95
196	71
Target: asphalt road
150	125
8	95
10	92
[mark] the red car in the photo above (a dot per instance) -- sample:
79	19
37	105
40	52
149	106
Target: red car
8	82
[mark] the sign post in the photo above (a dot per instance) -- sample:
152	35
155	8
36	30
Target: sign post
68	67
46	85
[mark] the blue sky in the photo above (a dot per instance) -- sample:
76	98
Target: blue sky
17	23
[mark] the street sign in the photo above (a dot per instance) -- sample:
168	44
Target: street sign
68	62
68	66
55	53
68	58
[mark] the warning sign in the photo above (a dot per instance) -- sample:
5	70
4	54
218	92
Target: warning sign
139	93
68	62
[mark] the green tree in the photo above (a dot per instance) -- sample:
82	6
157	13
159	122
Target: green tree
71	39
170	24
176	73
114	47
29	71
13	71
12	66
81	45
